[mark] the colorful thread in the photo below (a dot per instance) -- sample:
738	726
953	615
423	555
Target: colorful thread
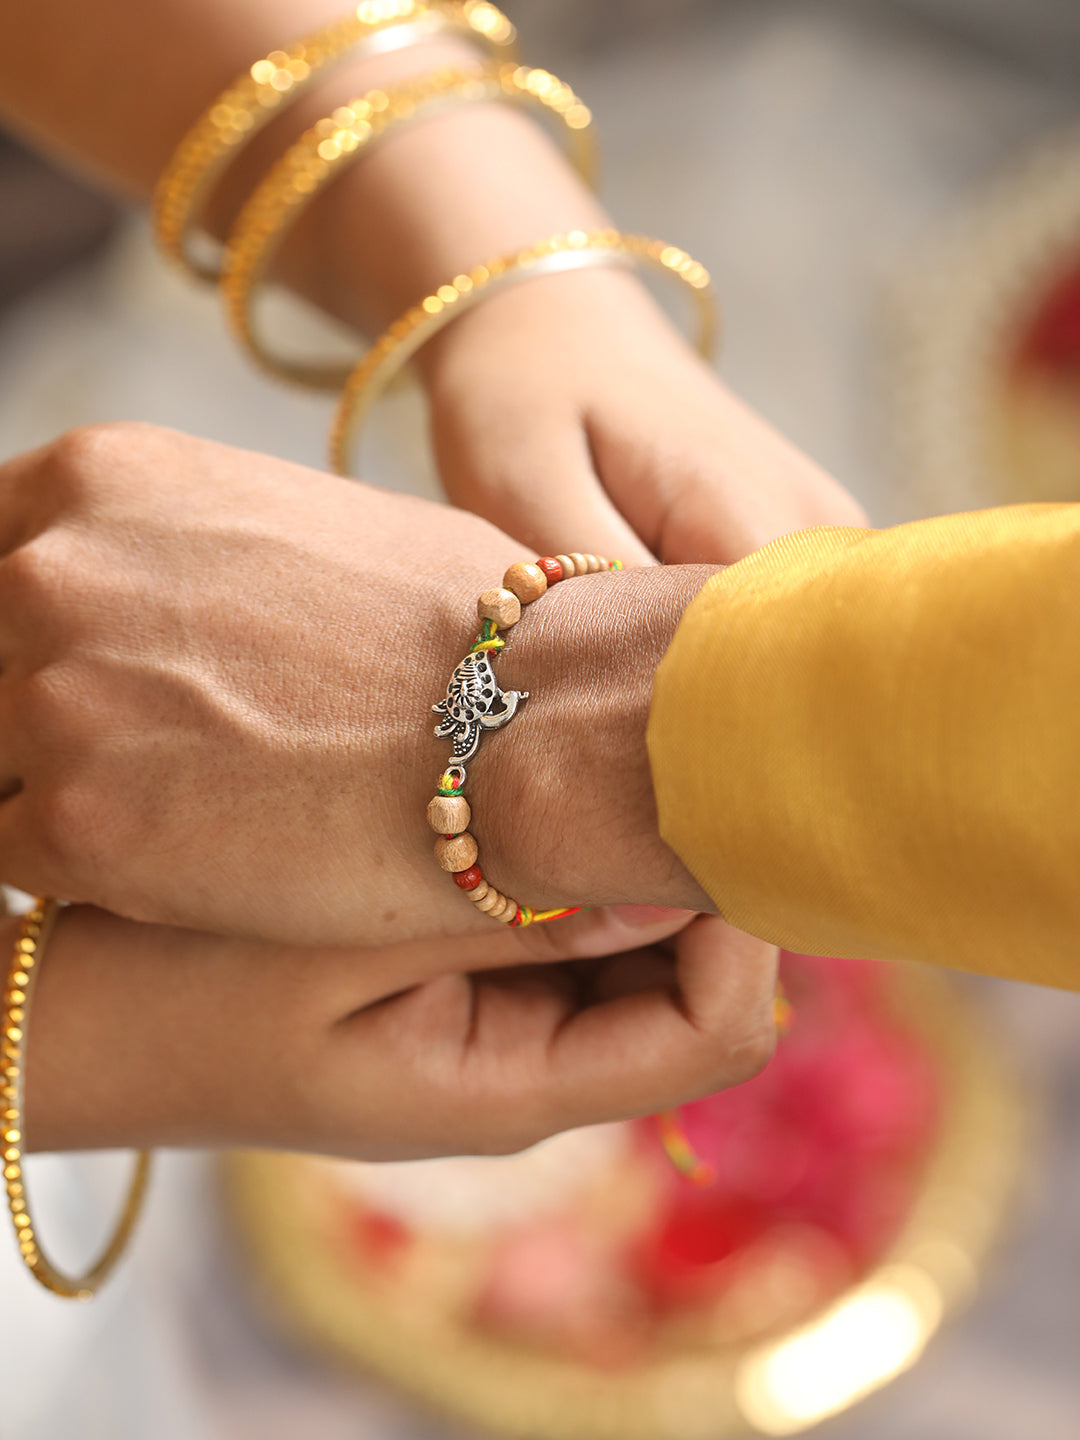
527	581
673	1137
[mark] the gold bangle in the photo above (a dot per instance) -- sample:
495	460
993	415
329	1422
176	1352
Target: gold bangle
26	961
252	100
576	250
334	142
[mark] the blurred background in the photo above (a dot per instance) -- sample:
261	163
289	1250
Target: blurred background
888	196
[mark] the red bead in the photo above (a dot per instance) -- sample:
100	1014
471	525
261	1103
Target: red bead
469	879
551	568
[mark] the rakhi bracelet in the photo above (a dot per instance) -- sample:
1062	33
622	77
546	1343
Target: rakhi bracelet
333	143
253	99
26	960
577	250
474	704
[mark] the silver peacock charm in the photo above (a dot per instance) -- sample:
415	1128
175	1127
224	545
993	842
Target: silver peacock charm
474	703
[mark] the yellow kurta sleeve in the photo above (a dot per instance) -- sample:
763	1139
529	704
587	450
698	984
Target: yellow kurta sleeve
868	742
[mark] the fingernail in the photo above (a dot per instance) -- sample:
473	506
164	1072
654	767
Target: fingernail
648	915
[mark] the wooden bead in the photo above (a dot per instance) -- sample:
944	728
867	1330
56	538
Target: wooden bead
551	568
487	902
469	879
527	581
479	893
581	565
566	565
457	853
593	563
498	908
509	913
502	606
448	814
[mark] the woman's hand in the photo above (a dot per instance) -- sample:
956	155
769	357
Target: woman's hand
566	408
569	405
387	1053
216	679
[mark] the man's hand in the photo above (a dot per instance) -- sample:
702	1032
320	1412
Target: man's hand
215	701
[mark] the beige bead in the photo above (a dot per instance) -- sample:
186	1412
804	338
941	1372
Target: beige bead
456	854
478	894
448	814
502	606
489	901
498	908
568	570
527	581
581	564
593	562
510	911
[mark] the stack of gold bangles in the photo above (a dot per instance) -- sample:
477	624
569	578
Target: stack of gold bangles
326	149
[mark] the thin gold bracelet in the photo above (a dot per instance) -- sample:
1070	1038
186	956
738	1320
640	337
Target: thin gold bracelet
320	155
253	99
576	250
26	961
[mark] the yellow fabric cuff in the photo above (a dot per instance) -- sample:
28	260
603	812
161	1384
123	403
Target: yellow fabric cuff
868	742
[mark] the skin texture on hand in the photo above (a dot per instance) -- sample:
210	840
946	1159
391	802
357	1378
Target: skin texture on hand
385	1053
216	679
571	404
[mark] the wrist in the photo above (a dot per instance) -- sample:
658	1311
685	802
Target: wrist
541	323
123	1043
365	249
479	181
563	799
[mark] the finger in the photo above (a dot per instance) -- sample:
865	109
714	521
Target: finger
500	1062
371	974
617	976
649	1049
532	474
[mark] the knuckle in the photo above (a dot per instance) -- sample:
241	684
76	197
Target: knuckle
65	814
83	458
34	575
65	824
41	701
730	1059
750	1054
